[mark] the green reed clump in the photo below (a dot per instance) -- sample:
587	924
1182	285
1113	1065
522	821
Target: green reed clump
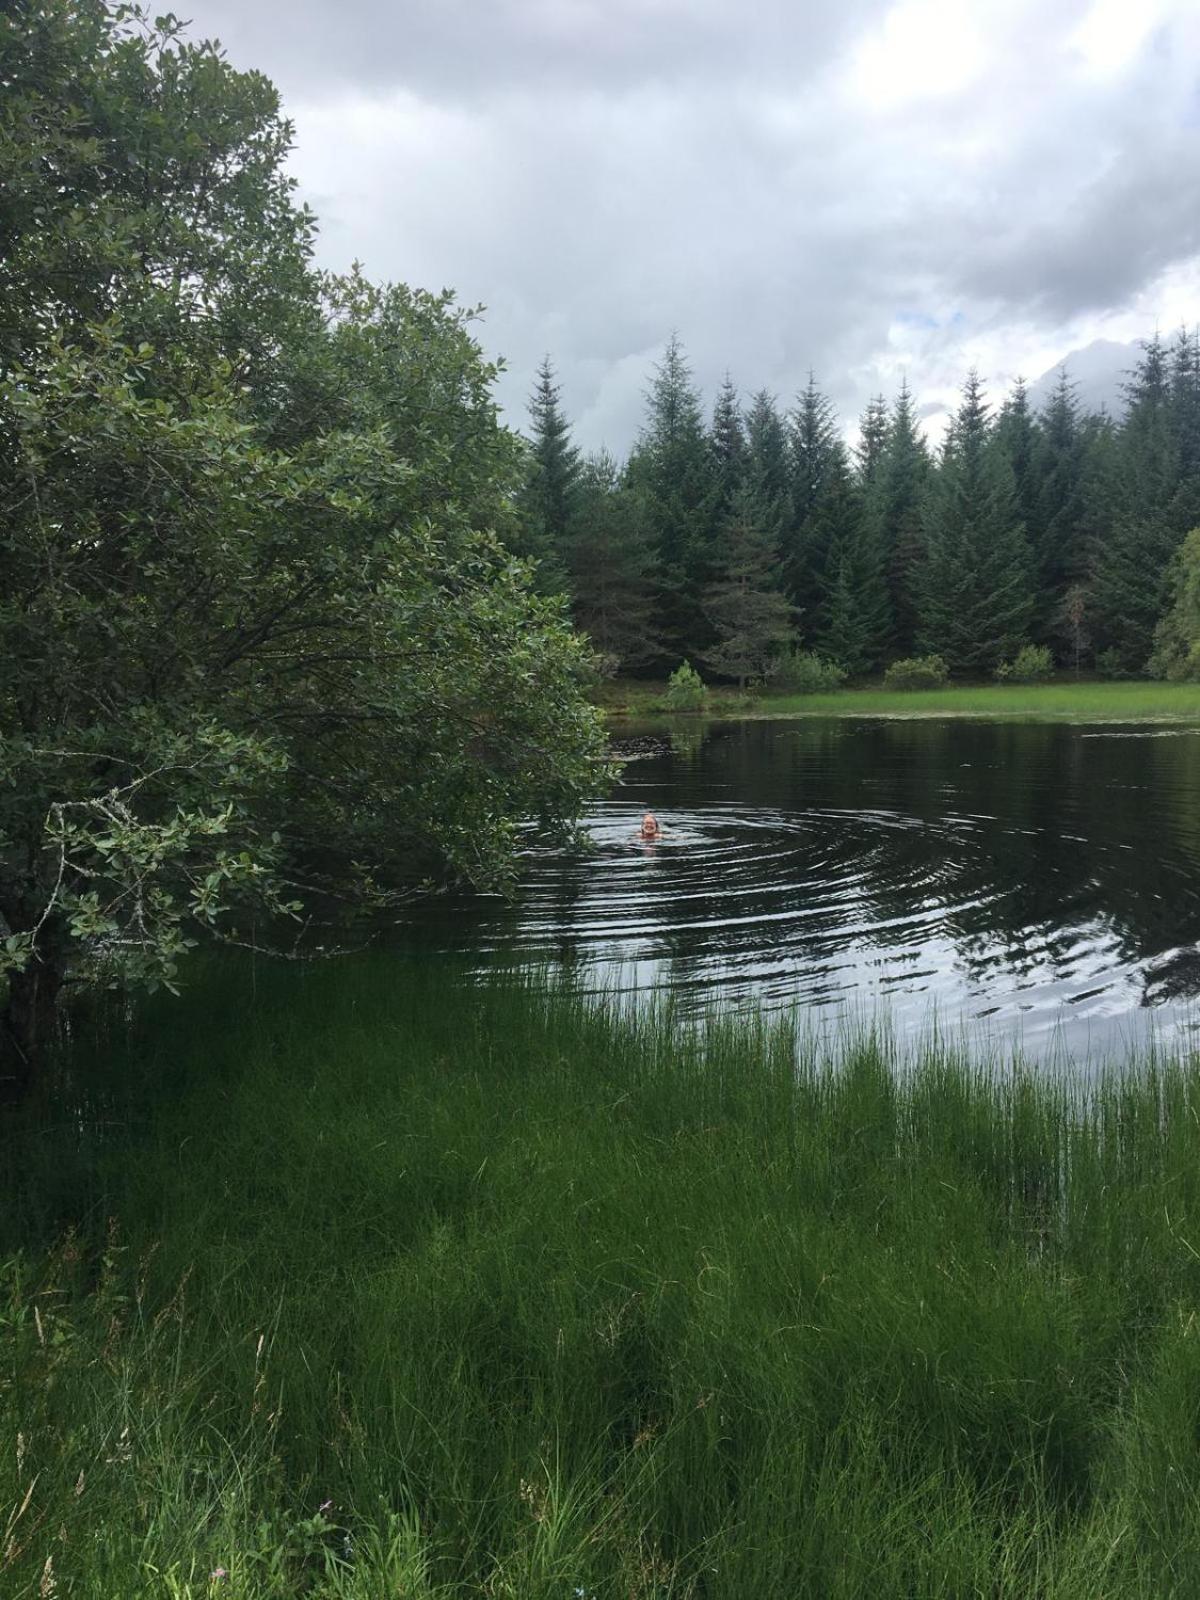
363	1282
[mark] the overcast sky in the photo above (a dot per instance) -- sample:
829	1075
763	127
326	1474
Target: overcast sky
865	188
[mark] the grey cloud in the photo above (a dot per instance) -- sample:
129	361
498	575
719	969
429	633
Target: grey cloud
600	173
1107	240
1097	373
457	48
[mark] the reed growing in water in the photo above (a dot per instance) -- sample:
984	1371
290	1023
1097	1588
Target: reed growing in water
360	1282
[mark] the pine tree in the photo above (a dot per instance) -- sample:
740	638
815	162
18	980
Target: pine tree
1184	367
749	614
820	473
854	614
1016	435
1133	562
975	586
548	502
895	506
727	444
1098	511
671	469
609	564
833	566
768	466
1059	544
857	607
873	431
1185	421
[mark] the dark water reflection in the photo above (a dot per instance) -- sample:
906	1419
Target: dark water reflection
1032	879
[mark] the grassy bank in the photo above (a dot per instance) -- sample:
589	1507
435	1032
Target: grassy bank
1052	702
368	1286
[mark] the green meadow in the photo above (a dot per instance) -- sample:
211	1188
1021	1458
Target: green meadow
357	1281
1067	701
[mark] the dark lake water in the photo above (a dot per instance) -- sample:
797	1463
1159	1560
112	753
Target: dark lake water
1031	882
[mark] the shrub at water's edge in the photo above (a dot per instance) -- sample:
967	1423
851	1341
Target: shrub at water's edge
917	672
685	689
1032	663
805	672
486	1293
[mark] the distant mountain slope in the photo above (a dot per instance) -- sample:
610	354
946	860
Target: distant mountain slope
1097	371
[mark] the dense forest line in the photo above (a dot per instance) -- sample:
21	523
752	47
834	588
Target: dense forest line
730	542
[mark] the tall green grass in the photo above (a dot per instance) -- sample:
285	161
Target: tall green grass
360	1282
1032	702
1065	701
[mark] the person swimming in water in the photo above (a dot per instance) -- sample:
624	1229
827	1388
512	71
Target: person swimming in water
651	828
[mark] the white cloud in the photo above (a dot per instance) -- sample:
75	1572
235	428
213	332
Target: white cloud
922	50
1111	35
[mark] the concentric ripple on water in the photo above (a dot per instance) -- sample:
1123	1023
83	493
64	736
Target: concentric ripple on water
1040	881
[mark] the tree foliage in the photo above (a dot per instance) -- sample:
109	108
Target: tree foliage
749	614
977	593
551	494
609	565
261	635
672	471
1055	529
1177	637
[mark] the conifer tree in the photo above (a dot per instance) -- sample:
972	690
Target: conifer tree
548	502
768	466
748	612
854	614
1098	506
609	565
872	441
857	606
671	468
727	443
1016	436
1185	419
1062	559
975	585
1133	561
1184	378
833	569
819	468
894	505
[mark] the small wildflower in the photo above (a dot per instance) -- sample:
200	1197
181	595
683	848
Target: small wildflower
219	1574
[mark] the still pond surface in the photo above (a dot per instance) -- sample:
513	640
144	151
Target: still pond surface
1038	883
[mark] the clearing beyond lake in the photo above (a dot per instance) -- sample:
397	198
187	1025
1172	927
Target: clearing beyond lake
1036	883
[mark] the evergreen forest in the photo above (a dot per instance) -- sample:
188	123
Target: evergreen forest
731	539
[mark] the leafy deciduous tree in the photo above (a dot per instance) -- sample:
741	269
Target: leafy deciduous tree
259	635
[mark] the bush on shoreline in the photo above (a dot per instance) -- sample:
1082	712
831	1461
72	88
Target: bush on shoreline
685	689
1032	663
805	672
917	672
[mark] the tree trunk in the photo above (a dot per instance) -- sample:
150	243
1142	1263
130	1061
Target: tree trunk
28	1027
